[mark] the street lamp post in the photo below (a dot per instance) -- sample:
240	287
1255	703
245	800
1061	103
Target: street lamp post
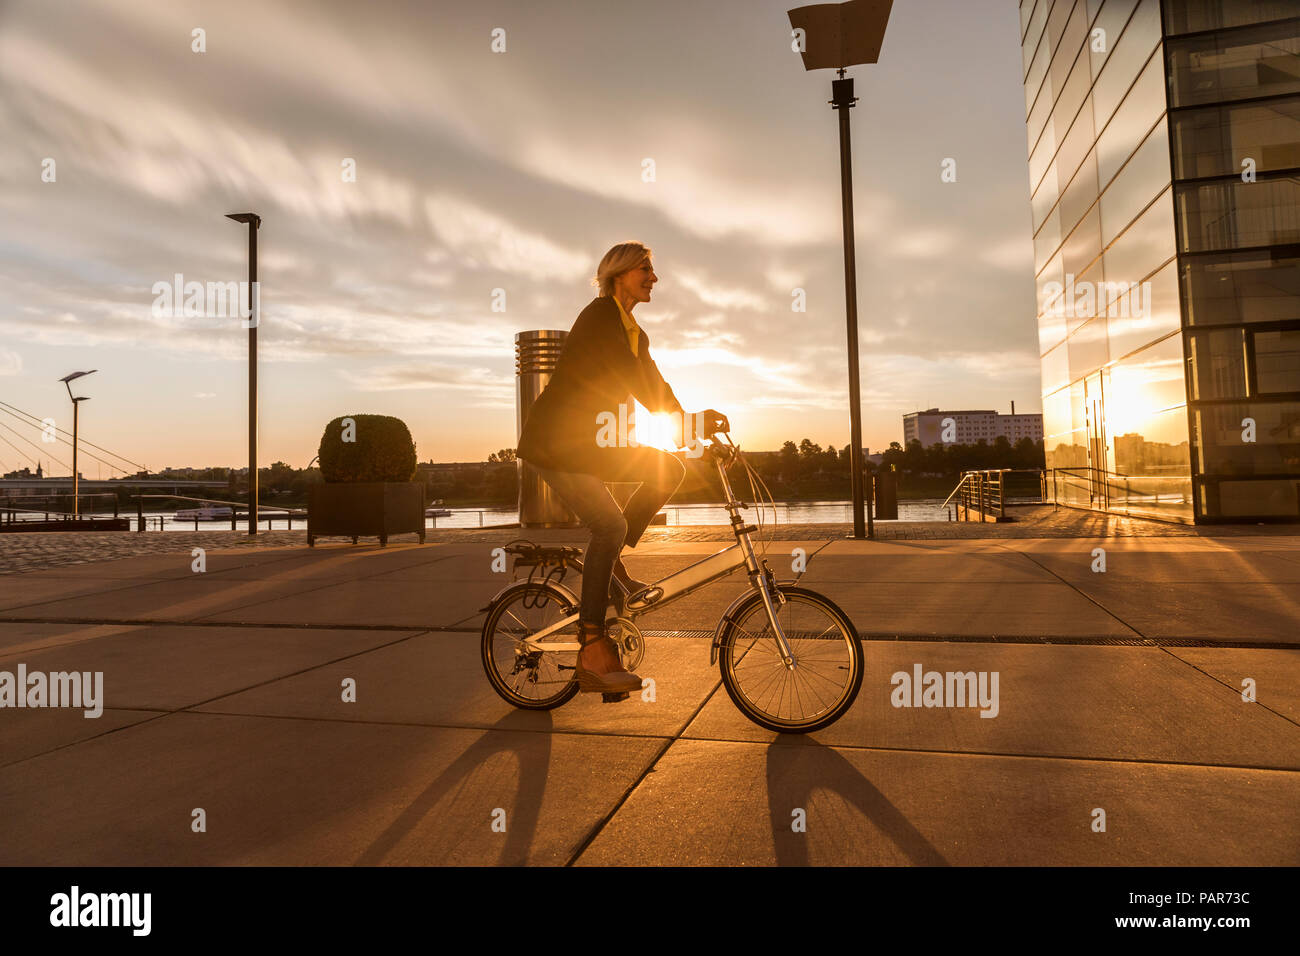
837	36
254	222
76	404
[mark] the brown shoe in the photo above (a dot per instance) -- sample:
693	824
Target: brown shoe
616	681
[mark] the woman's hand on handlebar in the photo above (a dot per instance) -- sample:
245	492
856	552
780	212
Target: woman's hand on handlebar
712	421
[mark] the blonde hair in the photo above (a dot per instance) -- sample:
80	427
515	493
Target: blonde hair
624	257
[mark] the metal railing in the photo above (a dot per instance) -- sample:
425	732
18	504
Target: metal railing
985	492
11	516
235	516
1165	497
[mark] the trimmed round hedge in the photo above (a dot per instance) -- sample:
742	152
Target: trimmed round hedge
382	450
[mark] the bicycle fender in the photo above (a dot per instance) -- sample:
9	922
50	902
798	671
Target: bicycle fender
565	592
729	615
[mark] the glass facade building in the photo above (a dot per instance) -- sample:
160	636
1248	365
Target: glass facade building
1164	166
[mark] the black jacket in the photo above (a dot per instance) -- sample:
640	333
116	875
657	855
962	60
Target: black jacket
595	372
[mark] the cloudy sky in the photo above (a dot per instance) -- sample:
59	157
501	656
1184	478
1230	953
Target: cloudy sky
479	170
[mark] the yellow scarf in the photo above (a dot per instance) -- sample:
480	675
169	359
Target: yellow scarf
633	330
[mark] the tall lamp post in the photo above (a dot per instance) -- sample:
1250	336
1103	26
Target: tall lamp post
254	221
76	404
836	36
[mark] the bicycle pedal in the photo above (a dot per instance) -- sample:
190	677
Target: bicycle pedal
613	698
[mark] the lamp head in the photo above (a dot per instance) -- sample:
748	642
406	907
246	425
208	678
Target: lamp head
252	217
837	35
69	378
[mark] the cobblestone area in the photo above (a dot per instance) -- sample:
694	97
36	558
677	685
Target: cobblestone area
29	552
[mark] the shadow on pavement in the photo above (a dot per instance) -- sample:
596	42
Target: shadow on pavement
797	766
532	753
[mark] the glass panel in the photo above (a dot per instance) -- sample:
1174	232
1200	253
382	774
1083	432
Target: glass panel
1056	21
1078	197
1111	22
1068	53
1034	80
1155	465
1051	320
1216	140
1152	313
1048	239
1026	11
1260	61
1081	250
1131	53
1056	367
1037	21
1219	364
1222	447
1045	198
1041	158
1146	175
1076	145
1144	246
1087	347
1144	104
1040	126
1278	498
1063	449
1192	16
1277	361
1233	214
1144	383
1241	287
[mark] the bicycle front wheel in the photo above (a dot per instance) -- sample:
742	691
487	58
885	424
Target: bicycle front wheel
527	678
828	662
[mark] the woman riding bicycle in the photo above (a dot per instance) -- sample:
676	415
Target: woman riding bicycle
567	438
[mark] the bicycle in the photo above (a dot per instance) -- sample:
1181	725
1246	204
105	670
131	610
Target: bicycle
789	658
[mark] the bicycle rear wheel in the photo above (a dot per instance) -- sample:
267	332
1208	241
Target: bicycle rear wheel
828	662
529	679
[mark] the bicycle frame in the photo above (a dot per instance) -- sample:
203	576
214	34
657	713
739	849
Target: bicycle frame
692	578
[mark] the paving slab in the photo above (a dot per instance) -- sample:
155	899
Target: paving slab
437	679
181	599
976	609
1141	569
1276	673
368	602
313	793
1129	703
162	667
711	803
1247	612
29	732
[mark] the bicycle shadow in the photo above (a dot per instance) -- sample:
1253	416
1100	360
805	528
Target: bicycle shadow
797	766
532	752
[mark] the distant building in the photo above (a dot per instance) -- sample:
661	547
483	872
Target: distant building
967	427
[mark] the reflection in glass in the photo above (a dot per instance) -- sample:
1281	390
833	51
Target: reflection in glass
1277	361
1216	140
1145	175
1192	16
1224	445
1233	214
1218	68
1128	333
1144	104
1235	287
1145	246
1218	364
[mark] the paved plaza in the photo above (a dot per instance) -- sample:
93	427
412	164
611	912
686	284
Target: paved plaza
1119	691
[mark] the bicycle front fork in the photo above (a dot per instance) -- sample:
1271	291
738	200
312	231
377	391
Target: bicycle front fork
767	589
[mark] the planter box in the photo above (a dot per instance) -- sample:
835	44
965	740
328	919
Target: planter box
367	509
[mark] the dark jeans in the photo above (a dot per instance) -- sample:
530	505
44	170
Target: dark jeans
611	528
